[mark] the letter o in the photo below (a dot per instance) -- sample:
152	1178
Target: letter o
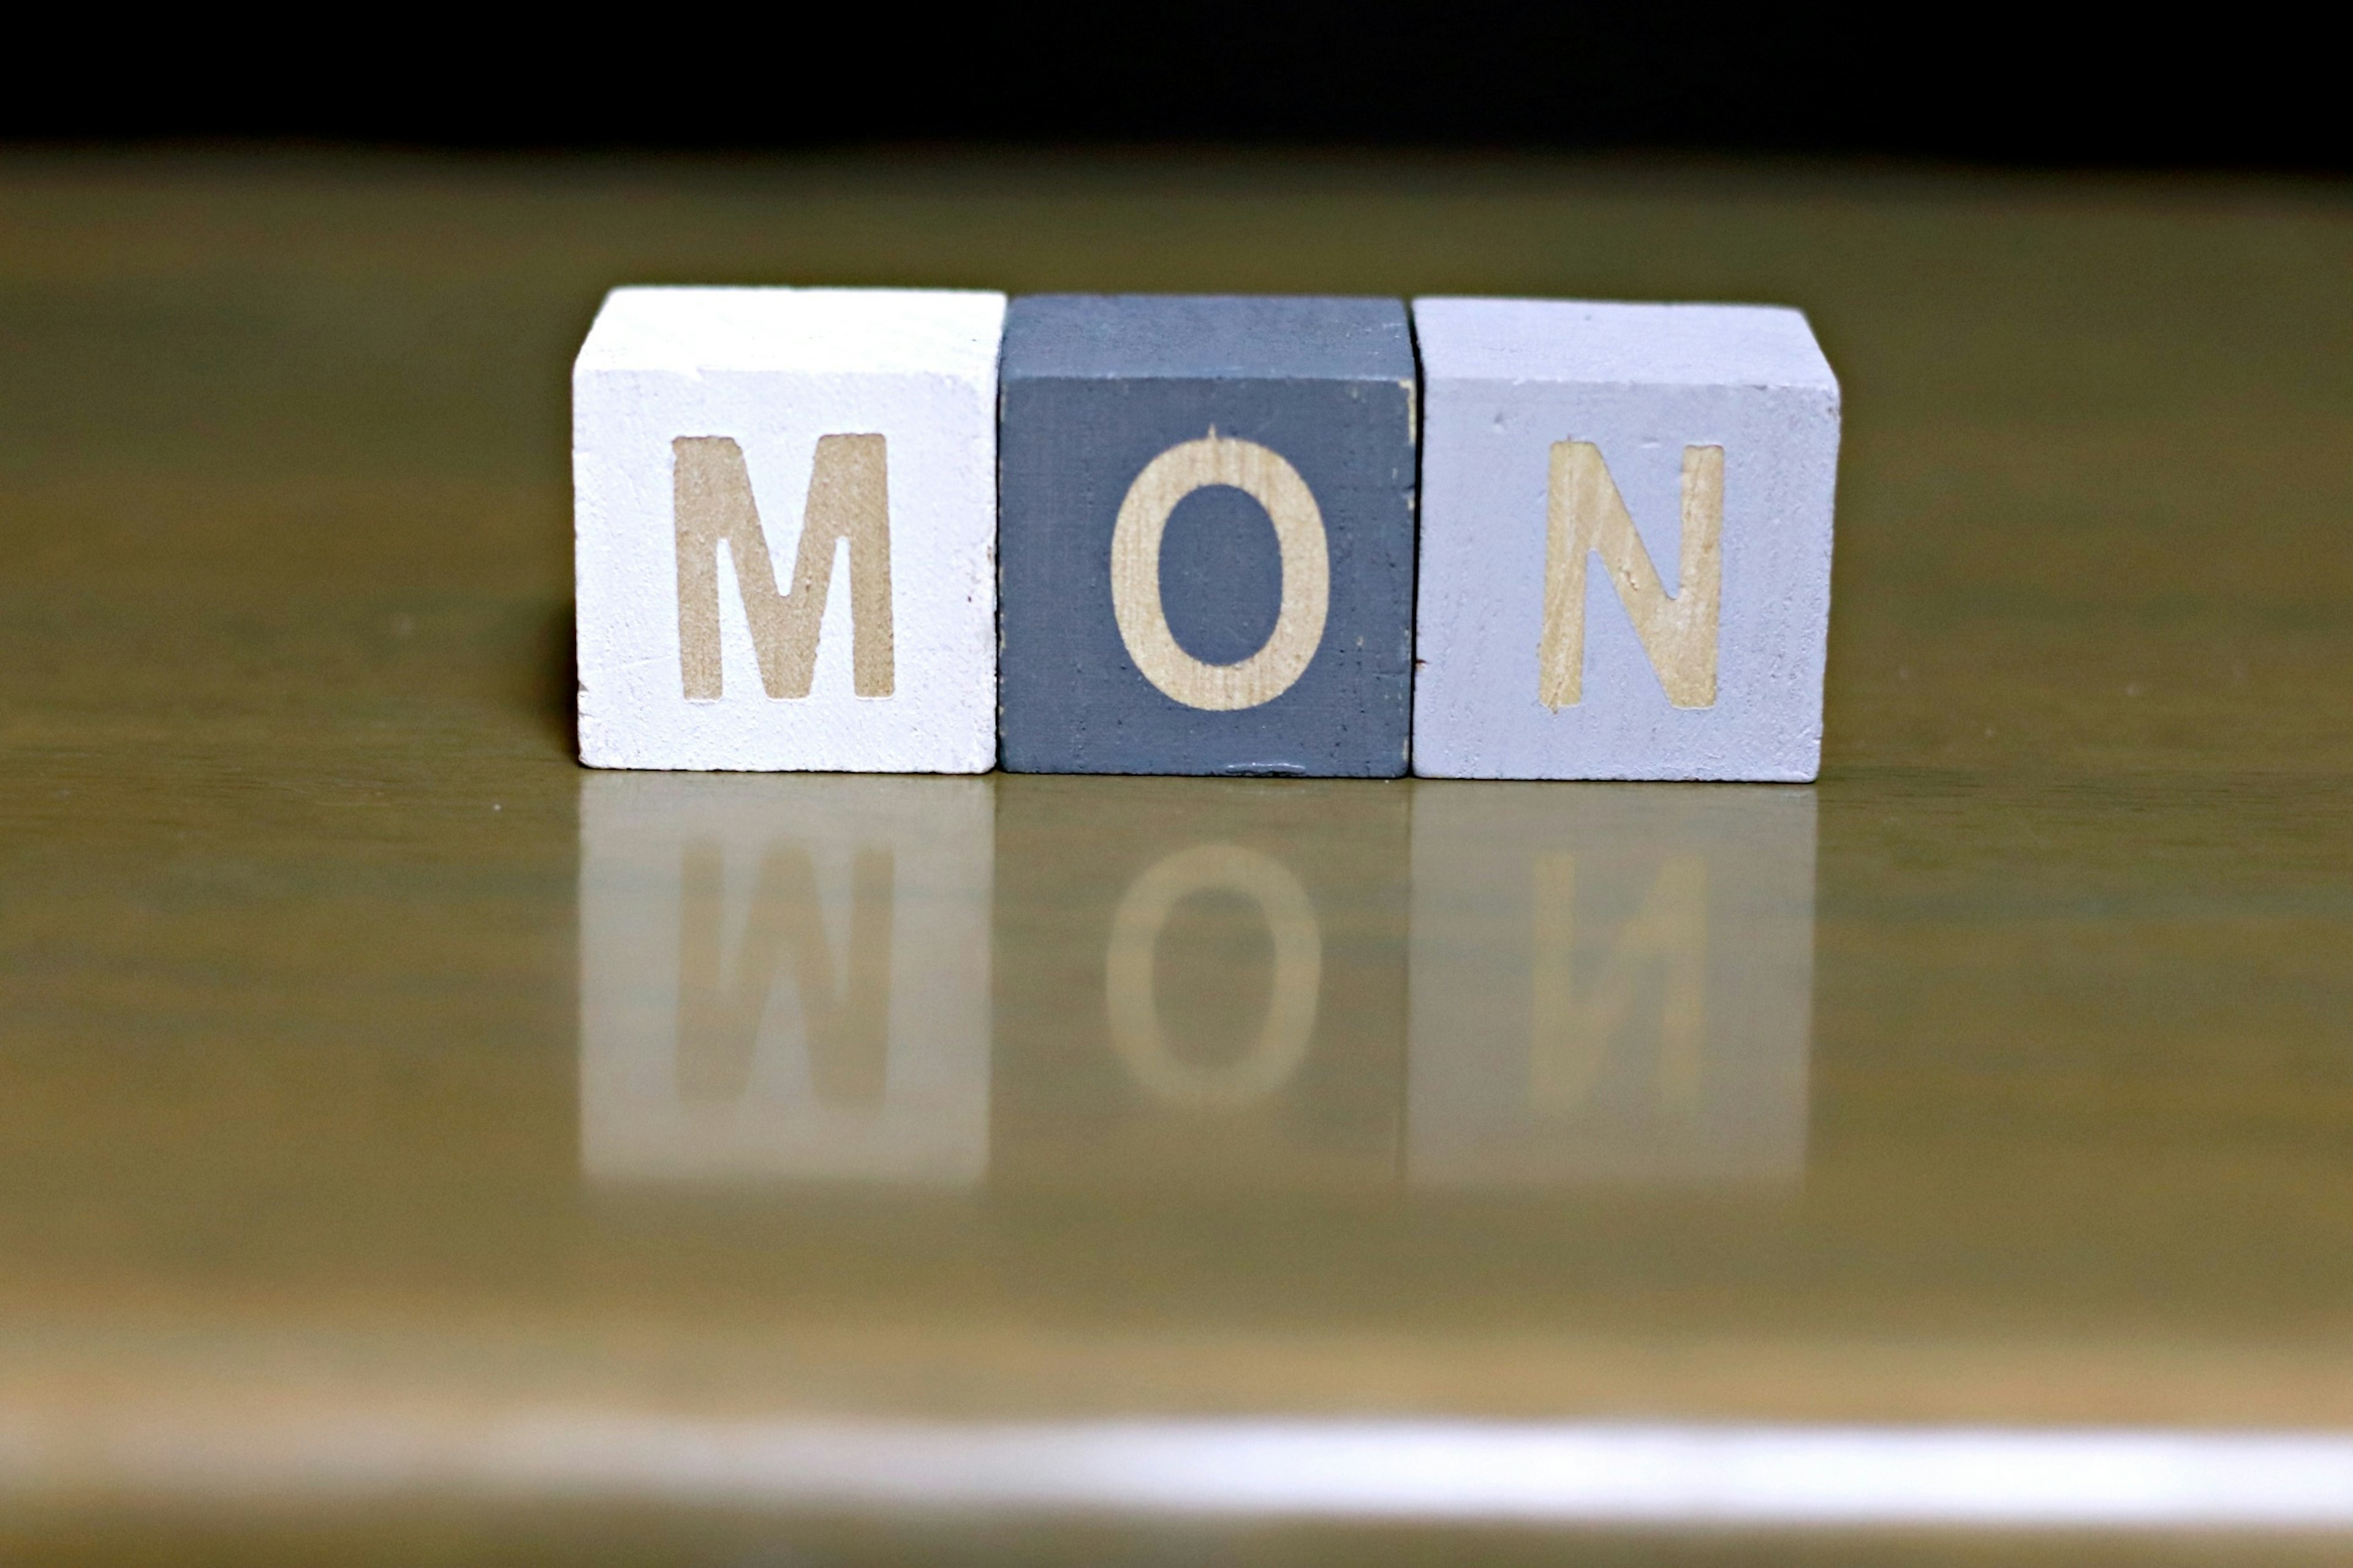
1290	1022
1267	478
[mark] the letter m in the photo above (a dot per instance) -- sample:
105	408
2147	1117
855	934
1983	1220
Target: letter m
1586	516
847	499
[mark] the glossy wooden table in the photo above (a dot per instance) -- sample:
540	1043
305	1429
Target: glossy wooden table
343	1213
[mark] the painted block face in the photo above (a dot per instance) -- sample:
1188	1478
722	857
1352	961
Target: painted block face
786	510
1212	996
1207	535
1625	540
1609	985
784	980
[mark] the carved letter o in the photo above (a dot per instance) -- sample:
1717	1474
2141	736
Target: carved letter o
1267	478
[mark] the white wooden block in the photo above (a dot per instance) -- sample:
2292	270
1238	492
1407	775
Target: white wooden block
1609	985
1625	560
784	530
784	980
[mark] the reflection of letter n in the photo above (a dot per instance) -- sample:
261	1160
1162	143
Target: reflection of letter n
1571	1031
847	499
848	1025
1586	515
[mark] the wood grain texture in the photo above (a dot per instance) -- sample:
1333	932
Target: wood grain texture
1585	515
1303	559
1235	471
848	503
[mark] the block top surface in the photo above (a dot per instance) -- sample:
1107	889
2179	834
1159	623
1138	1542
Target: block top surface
1586	341
938	332
1208	336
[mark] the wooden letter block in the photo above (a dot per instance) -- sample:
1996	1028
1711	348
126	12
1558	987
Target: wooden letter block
785	505
1206	535
1625	540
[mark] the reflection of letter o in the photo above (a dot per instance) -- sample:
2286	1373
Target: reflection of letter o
1264	476
1290	1022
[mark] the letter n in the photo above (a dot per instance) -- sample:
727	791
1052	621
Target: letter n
847	499
1586	516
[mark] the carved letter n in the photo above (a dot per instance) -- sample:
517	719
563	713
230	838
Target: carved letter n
1586	515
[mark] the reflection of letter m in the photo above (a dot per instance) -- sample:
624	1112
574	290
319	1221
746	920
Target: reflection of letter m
847	499
845	1008
1586	515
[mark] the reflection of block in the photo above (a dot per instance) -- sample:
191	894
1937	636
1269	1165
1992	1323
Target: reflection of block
1625	540
1609	985
784	979
1212	994
786	506
1207	536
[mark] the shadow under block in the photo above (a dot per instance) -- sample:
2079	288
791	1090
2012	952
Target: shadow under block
1625	540
785	505
1206	535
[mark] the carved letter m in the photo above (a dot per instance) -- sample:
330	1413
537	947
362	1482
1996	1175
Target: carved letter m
847	499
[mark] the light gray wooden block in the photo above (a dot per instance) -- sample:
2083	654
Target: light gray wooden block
786	522
1625	559
1611	986
785	979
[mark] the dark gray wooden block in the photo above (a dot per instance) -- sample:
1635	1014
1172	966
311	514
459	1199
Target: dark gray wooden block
1206	535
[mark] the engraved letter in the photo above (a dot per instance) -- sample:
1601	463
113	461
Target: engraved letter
1586	514
1267	478
847	499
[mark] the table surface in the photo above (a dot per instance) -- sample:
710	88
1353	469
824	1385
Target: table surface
330	1185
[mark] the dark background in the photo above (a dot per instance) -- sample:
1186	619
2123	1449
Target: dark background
2032	89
